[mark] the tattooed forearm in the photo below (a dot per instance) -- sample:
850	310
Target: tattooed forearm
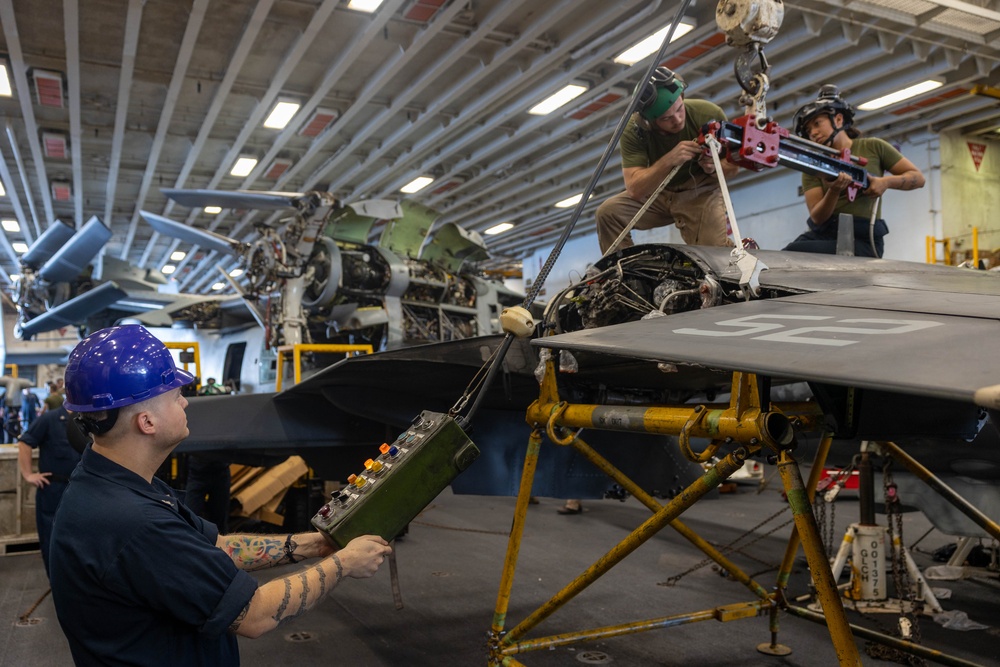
239	619
303	598
286	598
304	604
273	605
340	569
253	552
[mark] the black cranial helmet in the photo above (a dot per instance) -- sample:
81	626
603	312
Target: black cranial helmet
828	102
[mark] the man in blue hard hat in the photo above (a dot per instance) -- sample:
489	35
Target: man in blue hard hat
139	579
659	137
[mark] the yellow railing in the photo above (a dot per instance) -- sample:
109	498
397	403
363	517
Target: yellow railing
193	348
946	243
297	351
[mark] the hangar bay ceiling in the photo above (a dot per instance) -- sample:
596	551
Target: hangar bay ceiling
114	99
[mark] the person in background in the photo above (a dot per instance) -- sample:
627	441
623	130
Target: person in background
659	137
31	407
137	578
56	460
212	388
829	120
54	399
11	406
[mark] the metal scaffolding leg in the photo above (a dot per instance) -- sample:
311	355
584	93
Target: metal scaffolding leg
826	587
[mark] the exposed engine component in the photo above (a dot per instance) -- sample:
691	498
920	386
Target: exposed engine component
630	285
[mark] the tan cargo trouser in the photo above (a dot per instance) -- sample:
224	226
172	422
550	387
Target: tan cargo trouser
699	213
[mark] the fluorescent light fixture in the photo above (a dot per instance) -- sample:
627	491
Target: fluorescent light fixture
177	255
651	44
168	269
19	247
568	203
236	273
900	95
5	89
553	102
3	190
14	276
417	184
499	229
212	210
244	166
11	226
219	286
281	114
364	5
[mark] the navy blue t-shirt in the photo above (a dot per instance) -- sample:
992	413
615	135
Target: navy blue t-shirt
48	434
136	577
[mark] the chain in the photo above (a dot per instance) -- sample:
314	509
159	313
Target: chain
826	527
909	627
732	548
26	618
826	492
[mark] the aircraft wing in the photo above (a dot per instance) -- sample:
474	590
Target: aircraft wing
892	339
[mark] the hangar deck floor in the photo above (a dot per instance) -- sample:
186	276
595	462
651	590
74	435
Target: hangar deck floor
449	569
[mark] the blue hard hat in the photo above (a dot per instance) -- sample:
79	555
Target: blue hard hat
119	366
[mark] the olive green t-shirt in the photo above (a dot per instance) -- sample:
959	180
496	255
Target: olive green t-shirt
53	401
881	155
640	148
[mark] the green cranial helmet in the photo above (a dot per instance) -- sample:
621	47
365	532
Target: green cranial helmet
660	92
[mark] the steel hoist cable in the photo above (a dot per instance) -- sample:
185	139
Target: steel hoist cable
497	359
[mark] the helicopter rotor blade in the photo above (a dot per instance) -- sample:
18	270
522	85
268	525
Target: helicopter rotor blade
240	199
73	257
46	245
200	237
72	312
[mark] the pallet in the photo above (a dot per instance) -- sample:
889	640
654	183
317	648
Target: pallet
13	545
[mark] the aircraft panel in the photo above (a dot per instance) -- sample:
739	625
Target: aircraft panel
927	354
901	299
814	272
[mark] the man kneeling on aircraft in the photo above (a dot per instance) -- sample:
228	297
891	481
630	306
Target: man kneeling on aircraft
660	137
139	579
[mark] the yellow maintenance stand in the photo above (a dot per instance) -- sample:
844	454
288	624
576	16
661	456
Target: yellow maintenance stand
745	428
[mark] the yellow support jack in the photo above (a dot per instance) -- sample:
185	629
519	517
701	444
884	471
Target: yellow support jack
744	425
748	429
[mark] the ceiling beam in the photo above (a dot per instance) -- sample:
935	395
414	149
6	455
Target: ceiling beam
19	71
71	31
188	42
133	19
